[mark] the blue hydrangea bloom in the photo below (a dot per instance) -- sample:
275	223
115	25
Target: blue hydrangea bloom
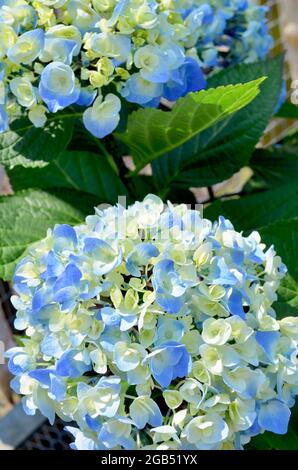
169	361
3	119
19	361
188	78
117	433
151	319
27	47
65	237
235	303
86	97
59	49
140	256
144	52
268	340
58	87
82	441
73	364
169	330
66	287
48	379
220	273
103	117
104	256
274	416
169	286
144	410
141	91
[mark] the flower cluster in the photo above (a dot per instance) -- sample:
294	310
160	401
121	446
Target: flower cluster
97	53
151	327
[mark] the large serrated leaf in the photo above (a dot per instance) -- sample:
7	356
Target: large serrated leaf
26	216
284	236
287	303
151	133
81	171
273	167
270	441
218	152
23	144
258	210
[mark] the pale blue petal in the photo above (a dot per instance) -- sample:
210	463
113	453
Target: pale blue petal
68	366
267	340
139	257
274	416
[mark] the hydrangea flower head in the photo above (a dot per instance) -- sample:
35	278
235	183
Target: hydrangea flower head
152	327
94	54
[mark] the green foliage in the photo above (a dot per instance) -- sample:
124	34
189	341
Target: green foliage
81	171
151	133
284	236
203	140
218	152
190	139
288	111
273	167
28	214
28	146
258	210
270	441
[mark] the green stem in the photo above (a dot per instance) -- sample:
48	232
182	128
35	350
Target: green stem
106	154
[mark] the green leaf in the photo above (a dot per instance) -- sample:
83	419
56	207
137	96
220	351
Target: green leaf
258	210
284	236
23	144
288	111
274	167
270	441
82	171
218	152
28	214
151	133
141	185
287	303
